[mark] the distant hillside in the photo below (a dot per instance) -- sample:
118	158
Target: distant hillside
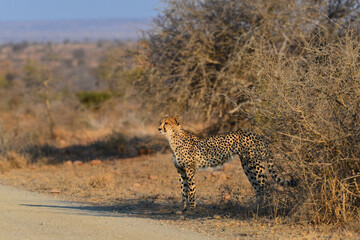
73	30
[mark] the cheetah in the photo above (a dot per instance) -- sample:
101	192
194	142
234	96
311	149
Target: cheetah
191	152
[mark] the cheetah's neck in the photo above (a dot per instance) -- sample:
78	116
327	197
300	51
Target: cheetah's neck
175	139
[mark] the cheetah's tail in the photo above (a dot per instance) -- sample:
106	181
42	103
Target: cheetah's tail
277	179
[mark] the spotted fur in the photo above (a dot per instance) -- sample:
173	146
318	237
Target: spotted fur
191	152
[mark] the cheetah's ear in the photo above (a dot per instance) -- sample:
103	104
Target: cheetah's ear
177	119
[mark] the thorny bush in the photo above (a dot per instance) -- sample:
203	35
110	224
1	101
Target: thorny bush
289	69
310	108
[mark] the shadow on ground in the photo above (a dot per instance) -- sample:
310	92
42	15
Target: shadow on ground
112	146
166	211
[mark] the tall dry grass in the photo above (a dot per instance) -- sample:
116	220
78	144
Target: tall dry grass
310	108
12	160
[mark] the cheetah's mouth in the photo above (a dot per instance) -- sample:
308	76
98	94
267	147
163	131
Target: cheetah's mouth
162	130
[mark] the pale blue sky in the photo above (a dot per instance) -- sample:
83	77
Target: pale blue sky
24	10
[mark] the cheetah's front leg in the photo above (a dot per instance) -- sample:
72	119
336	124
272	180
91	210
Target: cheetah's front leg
192	193
187	188
184	187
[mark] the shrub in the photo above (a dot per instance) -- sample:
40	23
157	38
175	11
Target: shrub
119	70
7	74
3	81
79	53
201	53
93	100
310	106
287	68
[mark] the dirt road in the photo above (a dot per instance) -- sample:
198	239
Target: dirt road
28	215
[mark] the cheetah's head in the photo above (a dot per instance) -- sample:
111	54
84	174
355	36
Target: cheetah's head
169	124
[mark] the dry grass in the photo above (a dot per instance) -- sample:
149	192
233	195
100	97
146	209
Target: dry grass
12	160
101	181
310	109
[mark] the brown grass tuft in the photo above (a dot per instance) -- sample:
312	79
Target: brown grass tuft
12	160
101	180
